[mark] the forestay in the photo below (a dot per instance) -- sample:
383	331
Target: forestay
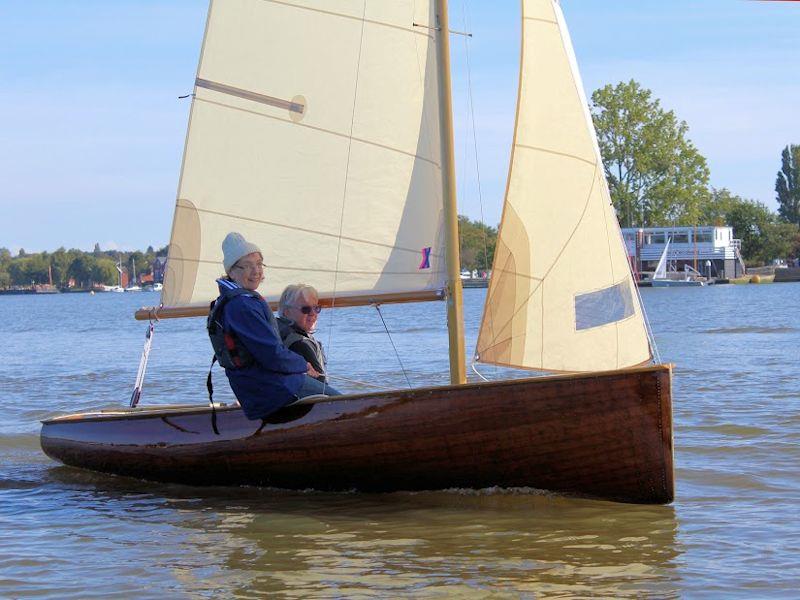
314	131
561	296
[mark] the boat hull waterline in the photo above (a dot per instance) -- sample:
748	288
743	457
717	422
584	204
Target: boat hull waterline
604	435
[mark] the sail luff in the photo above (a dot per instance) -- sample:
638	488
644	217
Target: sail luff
164	288
455	320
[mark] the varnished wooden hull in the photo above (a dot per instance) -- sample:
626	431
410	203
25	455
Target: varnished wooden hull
606	435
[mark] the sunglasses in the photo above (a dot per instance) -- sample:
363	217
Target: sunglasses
307	310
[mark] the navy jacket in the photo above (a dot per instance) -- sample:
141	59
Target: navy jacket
277	374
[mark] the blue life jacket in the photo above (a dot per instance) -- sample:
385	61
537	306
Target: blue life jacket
264	375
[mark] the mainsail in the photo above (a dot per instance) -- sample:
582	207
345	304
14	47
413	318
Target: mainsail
314	131
561	296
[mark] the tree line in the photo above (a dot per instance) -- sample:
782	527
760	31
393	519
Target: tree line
656	177
83	269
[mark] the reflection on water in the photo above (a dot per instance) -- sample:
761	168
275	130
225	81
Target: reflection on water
733	530
249	541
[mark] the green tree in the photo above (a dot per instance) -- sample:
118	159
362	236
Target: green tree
477	241
105	271
61	261
28	269
780	240
655	174
751	221
787	185
716	209
81	269
5	261
763	237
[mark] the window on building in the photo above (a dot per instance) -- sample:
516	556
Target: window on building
680	237
703	237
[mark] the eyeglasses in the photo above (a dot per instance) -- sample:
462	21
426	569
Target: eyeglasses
250	266
307	310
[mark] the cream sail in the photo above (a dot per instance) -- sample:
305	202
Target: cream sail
314	131
561	296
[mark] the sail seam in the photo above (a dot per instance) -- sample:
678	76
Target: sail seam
556	152
522	275
302	229
540	20
350	17
321	129
314	270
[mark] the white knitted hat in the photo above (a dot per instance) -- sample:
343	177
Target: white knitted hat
234	247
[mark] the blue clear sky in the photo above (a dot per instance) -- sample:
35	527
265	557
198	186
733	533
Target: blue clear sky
91	131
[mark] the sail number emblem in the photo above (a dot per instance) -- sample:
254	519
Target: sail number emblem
426	258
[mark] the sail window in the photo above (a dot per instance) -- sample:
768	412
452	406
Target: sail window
602	307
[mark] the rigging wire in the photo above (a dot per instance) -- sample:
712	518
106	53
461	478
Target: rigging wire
346	175
648	329
399	360
471	111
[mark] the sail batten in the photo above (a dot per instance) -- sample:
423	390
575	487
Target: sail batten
561	296
314	132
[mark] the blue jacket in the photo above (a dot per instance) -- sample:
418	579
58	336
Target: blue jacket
277	374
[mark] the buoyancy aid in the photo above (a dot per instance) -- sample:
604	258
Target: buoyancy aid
310	348
229	351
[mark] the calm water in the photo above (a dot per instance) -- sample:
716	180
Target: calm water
733	531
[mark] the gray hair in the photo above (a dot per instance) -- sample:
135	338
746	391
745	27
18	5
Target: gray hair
292	294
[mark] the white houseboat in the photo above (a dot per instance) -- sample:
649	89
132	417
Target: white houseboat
711	251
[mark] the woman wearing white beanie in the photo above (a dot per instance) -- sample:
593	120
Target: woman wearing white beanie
263	374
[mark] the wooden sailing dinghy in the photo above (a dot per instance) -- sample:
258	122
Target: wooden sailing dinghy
323	130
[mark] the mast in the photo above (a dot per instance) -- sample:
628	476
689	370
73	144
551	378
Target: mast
455	321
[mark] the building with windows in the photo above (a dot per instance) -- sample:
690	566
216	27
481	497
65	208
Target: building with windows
712	251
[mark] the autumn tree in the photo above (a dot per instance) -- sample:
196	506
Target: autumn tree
655	174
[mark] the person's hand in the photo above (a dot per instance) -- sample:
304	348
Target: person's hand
311	371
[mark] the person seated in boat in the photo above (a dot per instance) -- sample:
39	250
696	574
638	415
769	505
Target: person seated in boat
264	375
298	310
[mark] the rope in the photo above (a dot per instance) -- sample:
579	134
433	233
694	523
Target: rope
397	354
478	373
